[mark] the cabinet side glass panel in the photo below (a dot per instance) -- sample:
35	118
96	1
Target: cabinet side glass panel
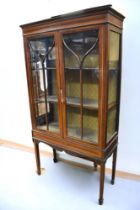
113	74
43	63
81	67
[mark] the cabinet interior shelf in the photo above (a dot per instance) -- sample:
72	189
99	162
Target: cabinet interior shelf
72	131
83	68
46	68
53	126
90	69
75	68
52	98
87	103
89	134
75	102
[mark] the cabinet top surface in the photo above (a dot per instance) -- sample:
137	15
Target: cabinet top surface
77	14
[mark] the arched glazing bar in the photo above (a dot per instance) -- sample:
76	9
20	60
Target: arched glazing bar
42	55
80	61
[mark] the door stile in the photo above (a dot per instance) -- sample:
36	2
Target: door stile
103	55
81	101
58	69
62	84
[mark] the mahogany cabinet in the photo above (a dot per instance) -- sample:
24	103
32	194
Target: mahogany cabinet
73	64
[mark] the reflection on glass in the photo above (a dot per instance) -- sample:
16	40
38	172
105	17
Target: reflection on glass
44	83
114	40
111	123
81	59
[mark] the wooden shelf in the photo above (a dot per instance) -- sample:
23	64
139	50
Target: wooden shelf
52	99
75	102
87	103
75	68
40	100
111	105
90	69
54	126
41	69
88	134
93	71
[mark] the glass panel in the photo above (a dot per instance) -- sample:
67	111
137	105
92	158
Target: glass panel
73	121
90	125
114	43
53	117
43	62
81	63
39	99
111	123
114	40
72	78
90	88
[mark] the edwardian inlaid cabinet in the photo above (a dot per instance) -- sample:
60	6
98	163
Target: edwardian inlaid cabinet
73	64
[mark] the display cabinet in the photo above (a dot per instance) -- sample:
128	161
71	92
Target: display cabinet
73	65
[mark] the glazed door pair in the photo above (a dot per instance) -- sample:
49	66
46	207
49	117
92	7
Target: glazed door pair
65	75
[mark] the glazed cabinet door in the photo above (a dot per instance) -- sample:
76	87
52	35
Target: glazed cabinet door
80	52
44	73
